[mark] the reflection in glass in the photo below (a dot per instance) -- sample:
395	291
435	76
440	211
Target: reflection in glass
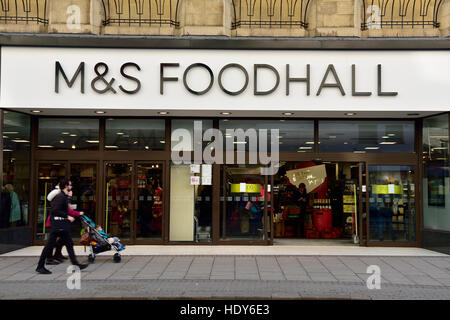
84	182
49	175
294	135
16	170
68	134
366	136
118	199
135	134
150	200
242	203
392	203
436	182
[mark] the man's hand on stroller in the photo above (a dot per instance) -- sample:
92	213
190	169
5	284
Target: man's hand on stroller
81	213
71	219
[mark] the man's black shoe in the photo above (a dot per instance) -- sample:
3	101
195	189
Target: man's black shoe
52	262
43	271
82	266
59	258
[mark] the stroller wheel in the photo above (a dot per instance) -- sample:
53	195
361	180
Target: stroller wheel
91	259
117	258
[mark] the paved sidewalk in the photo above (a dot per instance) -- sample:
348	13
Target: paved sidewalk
229	277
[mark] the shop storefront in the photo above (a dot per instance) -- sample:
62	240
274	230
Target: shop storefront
210	146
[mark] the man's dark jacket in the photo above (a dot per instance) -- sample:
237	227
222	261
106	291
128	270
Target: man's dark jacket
59	209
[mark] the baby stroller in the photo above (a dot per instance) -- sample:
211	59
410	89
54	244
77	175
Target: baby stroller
98	241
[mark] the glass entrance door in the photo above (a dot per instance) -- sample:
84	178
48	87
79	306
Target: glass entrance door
391	204
118	200
84	188
149	200
243	203
49	175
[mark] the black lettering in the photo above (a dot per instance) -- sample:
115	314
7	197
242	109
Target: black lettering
354	92
233	65
122	72
255	75
58	69
307	79
380	92
162	78
100	76
337	84
211	81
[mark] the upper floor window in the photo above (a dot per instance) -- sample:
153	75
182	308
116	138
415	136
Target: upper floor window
23	12
141	12
382	14
270	13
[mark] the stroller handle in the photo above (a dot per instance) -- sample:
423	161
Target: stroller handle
87	220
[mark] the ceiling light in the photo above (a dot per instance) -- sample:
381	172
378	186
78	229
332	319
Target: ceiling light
92	141
20	140
73	146
350	113
36	111
372	148
388	142
147	147
309	142
239	142
111	147
10	132
45	146
65	132
61	141
305	148
225	113
120	133
162	141
288	113
73	135
391	134
359	152
163	112
100	112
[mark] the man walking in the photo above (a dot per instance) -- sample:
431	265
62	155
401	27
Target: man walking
60	224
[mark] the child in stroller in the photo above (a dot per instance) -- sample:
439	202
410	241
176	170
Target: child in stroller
99	241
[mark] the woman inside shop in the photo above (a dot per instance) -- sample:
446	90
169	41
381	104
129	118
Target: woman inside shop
301	196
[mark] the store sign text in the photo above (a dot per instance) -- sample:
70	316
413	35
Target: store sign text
104	83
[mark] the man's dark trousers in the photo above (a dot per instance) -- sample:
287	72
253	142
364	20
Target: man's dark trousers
51	244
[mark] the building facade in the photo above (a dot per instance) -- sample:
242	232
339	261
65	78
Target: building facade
195	121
